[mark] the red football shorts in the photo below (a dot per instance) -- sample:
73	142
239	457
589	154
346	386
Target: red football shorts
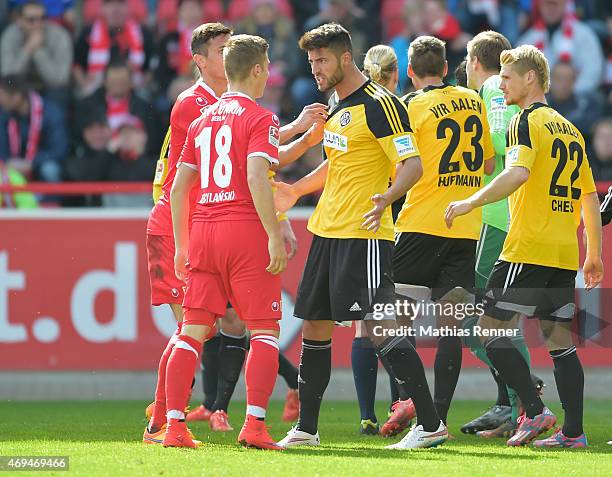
165	287
228	262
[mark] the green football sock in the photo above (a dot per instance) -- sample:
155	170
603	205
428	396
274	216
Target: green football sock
473	342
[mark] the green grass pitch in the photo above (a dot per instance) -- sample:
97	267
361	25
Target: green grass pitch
103	438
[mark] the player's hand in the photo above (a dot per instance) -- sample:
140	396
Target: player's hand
289	238
456	209
593	272
374	216
285	196
314	135
312	113
278	255
180	265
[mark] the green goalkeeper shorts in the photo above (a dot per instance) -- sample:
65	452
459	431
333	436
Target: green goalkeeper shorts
489	247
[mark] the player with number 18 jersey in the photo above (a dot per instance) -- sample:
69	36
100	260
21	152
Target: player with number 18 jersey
227	236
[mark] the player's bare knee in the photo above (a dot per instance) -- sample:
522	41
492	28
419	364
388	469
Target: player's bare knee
319	330
360	330
231	323
177	311
197	332
557	335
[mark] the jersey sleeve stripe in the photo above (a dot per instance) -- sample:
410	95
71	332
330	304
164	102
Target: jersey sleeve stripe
191	166
523	138
163	154
370	91
392	108
265	155
395	113
512	130
374	94
402	111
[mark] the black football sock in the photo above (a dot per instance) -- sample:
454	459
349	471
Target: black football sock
210	370
365	370
446	373
407	367
287	371
569	378
394	389
502	390
400	391
232	352
514	370
315	371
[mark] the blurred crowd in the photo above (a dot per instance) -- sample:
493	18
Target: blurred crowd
86	86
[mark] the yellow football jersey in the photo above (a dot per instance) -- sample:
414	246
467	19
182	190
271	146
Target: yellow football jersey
366	135
161	169
545	211
451	130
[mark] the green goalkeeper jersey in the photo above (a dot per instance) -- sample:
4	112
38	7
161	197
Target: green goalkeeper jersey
498	115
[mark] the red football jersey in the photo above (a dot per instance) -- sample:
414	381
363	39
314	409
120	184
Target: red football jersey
219	144
188	107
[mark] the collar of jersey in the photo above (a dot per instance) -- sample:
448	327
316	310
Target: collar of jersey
537	105
430	87
203	85
341	102
230	94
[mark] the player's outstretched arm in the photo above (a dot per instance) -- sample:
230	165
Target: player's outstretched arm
593	266
407	174
286	195
261	191
294	150
179	203
312	113
499	188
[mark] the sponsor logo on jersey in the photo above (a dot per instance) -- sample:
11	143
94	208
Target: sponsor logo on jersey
512	155
345	118
335	141
175	293
202	103
275	120
498	104
275	306
274	136
403	145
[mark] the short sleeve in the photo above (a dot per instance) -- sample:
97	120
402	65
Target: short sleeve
264	139
188	155
519	150
388	121
587	184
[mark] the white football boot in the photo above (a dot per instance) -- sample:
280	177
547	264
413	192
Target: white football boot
296	438
417	438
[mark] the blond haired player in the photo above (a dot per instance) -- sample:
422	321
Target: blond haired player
549	182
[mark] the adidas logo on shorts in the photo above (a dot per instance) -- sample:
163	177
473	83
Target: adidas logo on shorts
355	307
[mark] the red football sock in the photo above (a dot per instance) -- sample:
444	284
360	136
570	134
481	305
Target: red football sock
260	373
159	411
179	375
